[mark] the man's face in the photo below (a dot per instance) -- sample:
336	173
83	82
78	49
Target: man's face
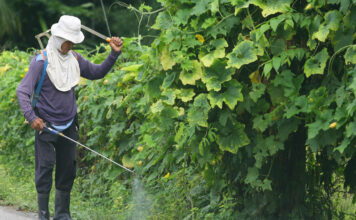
66	46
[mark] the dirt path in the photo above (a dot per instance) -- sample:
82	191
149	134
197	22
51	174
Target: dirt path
10	213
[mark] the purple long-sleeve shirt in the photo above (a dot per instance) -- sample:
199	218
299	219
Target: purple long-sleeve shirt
53	105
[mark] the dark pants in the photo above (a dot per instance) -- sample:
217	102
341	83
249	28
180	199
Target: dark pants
51	149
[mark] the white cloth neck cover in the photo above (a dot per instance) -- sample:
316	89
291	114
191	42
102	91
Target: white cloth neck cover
63	69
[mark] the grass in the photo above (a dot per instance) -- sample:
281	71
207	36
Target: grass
92	201
117	199
19	192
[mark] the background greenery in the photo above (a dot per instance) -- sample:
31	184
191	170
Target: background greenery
237	110
21	20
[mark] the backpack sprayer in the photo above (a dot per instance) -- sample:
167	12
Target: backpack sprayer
53	131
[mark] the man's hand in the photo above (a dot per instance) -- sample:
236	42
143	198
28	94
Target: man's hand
38	124
116	44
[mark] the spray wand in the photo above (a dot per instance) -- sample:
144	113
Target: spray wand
46	34
53	131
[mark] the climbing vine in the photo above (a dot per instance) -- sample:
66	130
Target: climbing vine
254	98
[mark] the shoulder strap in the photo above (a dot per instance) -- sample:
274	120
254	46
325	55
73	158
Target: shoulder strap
39	86
75	54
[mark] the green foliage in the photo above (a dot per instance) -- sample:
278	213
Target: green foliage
9	22
316	64
21	20
248	105
243	53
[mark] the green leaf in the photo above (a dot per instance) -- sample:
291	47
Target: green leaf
316	64
289	22
153	87
215	6
132	68
182	16
289	82
217	74
352	85
258	89
299	105
163	21
247	23
189	41
208	22
166	59
277	46
276	62
332	20
201	147
231	95
267	185
109	113
351	108
345	5
198	111
349	19
189	76
286	127
157	107
168	113
276	95
273	6
168	80
252	175
267	69
224	115
232	136
314	128
296	53
219	43
240	3
343	37
322	122
201	7
243	53
351	129
209	58
333	1
341	95
169	96
127	162
312	28
350	55
346	142
129	76
185	94
322	33
180	133
274	22
144	7
216	99
261	122
260	31
272	145
224	27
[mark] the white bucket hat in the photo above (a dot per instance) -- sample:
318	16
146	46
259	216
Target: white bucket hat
69	28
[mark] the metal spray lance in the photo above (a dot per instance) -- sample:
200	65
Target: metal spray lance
53	131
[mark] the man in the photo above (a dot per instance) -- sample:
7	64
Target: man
56	107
